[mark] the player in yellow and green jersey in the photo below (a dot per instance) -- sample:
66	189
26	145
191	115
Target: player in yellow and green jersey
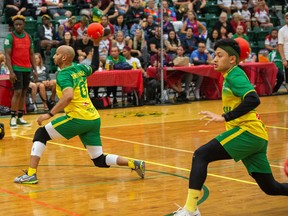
80	119
245	138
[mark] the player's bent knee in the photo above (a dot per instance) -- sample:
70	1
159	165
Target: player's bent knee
41	135
100	161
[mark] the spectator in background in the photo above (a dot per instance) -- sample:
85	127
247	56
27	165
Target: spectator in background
134	62
105	46
115	58
120	42
283	46
135	13
172	43
3	66
107	25
274	56
271	40
44	83
47	35
223	21
199	6
139	48
189	42
55	8
39	7
80	27
167	25
246	14
240	33
121	6
227	5
65	26
262	15
199	57
150	27
211	40
121	26
236	21
84	7
151	9
224	33
98	11
155	42
67	40
80	46
89	54
191	22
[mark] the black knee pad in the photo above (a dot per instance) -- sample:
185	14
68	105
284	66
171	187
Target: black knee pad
100	161
41	135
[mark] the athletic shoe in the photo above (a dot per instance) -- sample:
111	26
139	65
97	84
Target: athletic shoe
139	168
13	122
25	179
184	212
22	122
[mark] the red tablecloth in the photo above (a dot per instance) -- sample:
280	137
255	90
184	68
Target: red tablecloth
6	91
261	75
124	78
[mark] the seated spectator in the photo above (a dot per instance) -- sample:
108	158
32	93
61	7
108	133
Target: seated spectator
139	48
80	27
39	8
105	46
121	26
211	40
262	15
55	8
236	21
182	7
223	21
199	6
44	83
240	33
191	22
3	66
115	58
167	25
65	26
120	41
151	9
227	5
246	14
121	6
107	25
223	33
67	40
80	46
135	13
84	7
13	7
271	41
172	14
189	42
154	43
97	12
172	43
88	57
199	57
47	35
275	57
150	27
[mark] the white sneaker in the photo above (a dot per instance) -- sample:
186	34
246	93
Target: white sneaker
197	94
184	212
13	123
22	122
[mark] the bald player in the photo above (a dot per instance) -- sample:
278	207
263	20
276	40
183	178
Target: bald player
80	119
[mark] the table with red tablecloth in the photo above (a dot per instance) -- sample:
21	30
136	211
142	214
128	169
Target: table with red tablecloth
6	91
261	75
126	78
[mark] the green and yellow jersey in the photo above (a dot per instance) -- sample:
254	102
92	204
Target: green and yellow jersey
75	77
236	86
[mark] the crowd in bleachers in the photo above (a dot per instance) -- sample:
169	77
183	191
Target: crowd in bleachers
135	24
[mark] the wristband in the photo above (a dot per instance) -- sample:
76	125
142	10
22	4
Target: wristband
50	114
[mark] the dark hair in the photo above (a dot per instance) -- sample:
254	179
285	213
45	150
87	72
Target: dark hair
174	40
211	35
228	42
87	50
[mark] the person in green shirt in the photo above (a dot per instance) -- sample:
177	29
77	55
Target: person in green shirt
240	33
275	57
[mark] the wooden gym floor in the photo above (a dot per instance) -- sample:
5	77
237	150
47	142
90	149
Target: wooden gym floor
165	137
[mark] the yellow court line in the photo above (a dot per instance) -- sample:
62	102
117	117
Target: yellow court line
155	163
283	128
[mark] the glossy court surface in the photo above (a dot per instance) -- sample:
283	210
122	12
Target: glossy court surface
165	137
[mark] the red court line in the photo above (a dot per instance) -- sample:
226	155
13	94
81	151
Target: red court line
39	202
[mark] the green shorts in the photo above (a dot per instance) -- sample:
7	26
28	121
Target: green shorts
87	130
242	145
